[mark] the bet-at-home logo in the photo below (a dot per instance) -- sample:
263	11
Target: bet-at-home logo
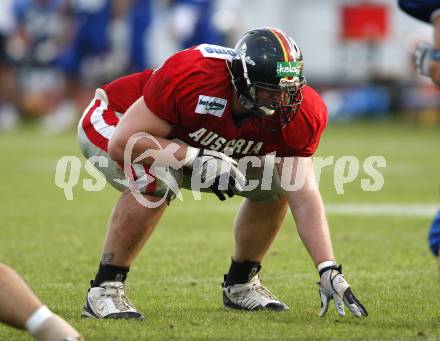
289	69
211	105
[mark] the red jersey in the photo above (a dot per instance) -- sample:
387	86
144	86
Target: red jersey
193	91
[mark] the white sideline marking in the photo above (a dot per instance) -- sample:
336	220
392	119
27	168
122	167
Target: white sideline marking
418	209
388	209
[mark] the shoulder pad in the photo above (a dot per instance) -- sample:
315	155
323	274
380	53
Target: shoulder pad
216	51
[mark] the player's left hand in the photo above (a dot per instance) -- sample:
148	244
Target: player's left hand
334	286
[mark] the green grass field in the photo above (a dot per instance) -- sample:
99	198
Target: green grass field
55	244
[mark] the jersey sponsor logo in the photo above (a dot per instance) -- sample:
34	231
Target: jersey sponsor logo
216	51
211	105
214	141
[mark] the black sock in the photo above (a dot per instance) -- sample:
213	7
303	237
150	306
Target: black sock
240	273
110	273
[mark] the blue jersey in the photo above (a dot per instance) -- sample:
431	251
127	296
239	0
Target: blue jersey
434	234
420	9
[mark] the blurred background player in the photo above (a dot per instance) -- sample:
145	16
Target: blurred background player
8	105
428	63
107	40
53	53
192	24
20	308
41	29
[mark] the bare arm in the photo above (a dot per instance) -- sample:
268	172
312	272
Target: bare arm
140	119
308	211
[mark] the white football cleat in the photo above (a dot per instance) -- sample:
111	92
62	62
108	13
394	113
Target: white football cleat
108	301
251	296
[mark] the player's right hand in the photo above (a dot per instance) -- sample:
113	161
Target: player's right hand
219	171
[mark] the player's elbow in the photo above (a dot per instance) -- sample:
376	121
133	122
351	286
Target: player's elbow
116	150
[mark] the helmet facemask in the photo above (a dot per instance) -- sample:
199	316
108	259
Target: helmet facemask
279	103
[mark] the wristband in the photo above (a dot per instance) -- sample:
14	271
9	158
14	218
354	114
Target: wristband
325	264
191	155
35	321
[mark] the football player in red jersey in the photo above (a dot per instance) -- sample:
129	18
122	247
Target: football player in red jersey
215	106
